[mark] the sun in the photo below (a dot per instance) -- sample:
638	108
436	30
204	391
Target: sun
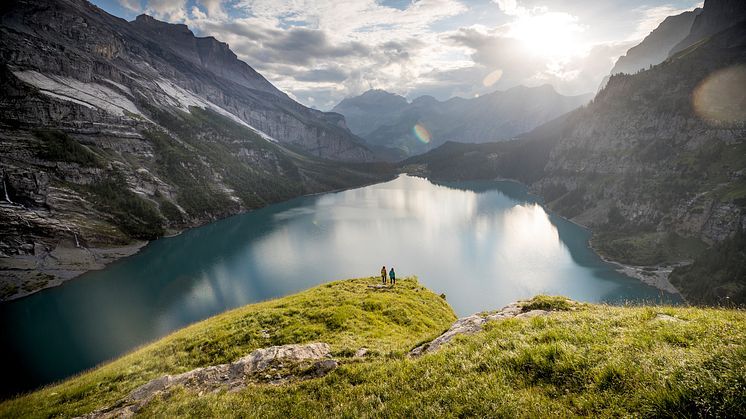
553	35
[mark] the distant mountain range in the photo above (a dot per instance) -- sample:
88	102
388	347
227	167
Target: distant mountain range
386	120
656	164
114	131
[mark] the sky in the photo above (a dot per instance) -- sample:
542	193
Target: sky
321	51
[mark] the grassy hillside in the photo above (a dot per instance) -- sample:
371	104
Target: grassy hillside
591	360
345	314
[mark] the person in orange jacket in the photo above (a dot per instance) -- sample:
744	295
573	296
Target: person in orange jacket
383	275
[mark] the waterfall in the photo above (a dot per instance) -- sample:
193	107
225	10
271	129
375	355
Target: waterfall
77	243
5	188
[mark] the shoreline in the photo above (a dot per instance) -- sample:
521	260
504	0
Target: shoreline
59	266
655	275
68	261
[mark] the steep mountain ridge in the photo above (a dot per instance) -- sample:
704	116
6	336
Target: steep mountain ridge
652	165
655	47
115	132
207	52
716	16
495	116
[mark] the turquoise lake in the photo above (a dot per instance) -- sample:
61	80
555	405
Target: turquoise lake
483	244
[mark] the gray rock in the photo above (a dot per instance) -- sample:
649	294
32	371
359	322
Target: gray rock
532	313
227	376
261	358
473	324
660	317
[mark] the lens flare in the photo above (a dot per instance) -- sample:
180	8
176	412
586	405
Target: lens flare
721	97
492	78
421	133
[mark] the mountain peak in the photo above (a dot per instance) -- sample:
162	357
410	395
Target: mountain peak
151	22
425	100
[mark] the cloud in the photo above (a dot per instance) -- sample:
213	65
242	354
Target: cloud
322	75
320	51
133	5
214	8
169	10
511	8
493	52
293	46
313	46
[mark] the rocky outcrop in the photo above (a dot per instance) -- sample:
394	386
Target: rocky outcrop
475	323
273	365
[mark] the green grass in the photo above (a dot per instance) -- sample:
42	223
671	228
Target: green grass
583	360
58	146
646	247
548	303
134	215
718	276
596	362
345	314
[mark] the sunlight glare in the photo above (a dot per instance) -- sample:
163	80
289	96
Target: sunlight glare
552	35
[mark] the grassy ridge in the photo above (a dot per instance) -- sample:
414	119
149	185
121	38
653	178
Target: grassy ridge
596	362
345	314
583	360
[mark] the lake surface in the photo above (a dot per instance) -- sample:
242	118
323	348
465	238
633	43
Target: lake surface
483	244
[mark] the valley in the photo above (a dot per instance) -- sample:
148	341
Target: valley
558	189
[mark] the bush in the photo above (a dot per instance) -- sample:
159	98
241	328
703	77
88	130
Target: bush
133	215
58	146
548	303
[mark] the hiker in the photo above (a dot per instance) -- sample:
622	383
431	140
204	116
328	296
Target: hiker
392	275
383	275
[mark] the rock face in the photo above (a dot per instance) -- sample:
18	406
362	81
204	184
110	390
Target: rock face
387	120
716	16
116	132
311	359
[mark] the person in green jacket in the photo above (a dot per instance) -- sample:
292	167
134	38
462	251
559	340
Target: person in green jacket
392	276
